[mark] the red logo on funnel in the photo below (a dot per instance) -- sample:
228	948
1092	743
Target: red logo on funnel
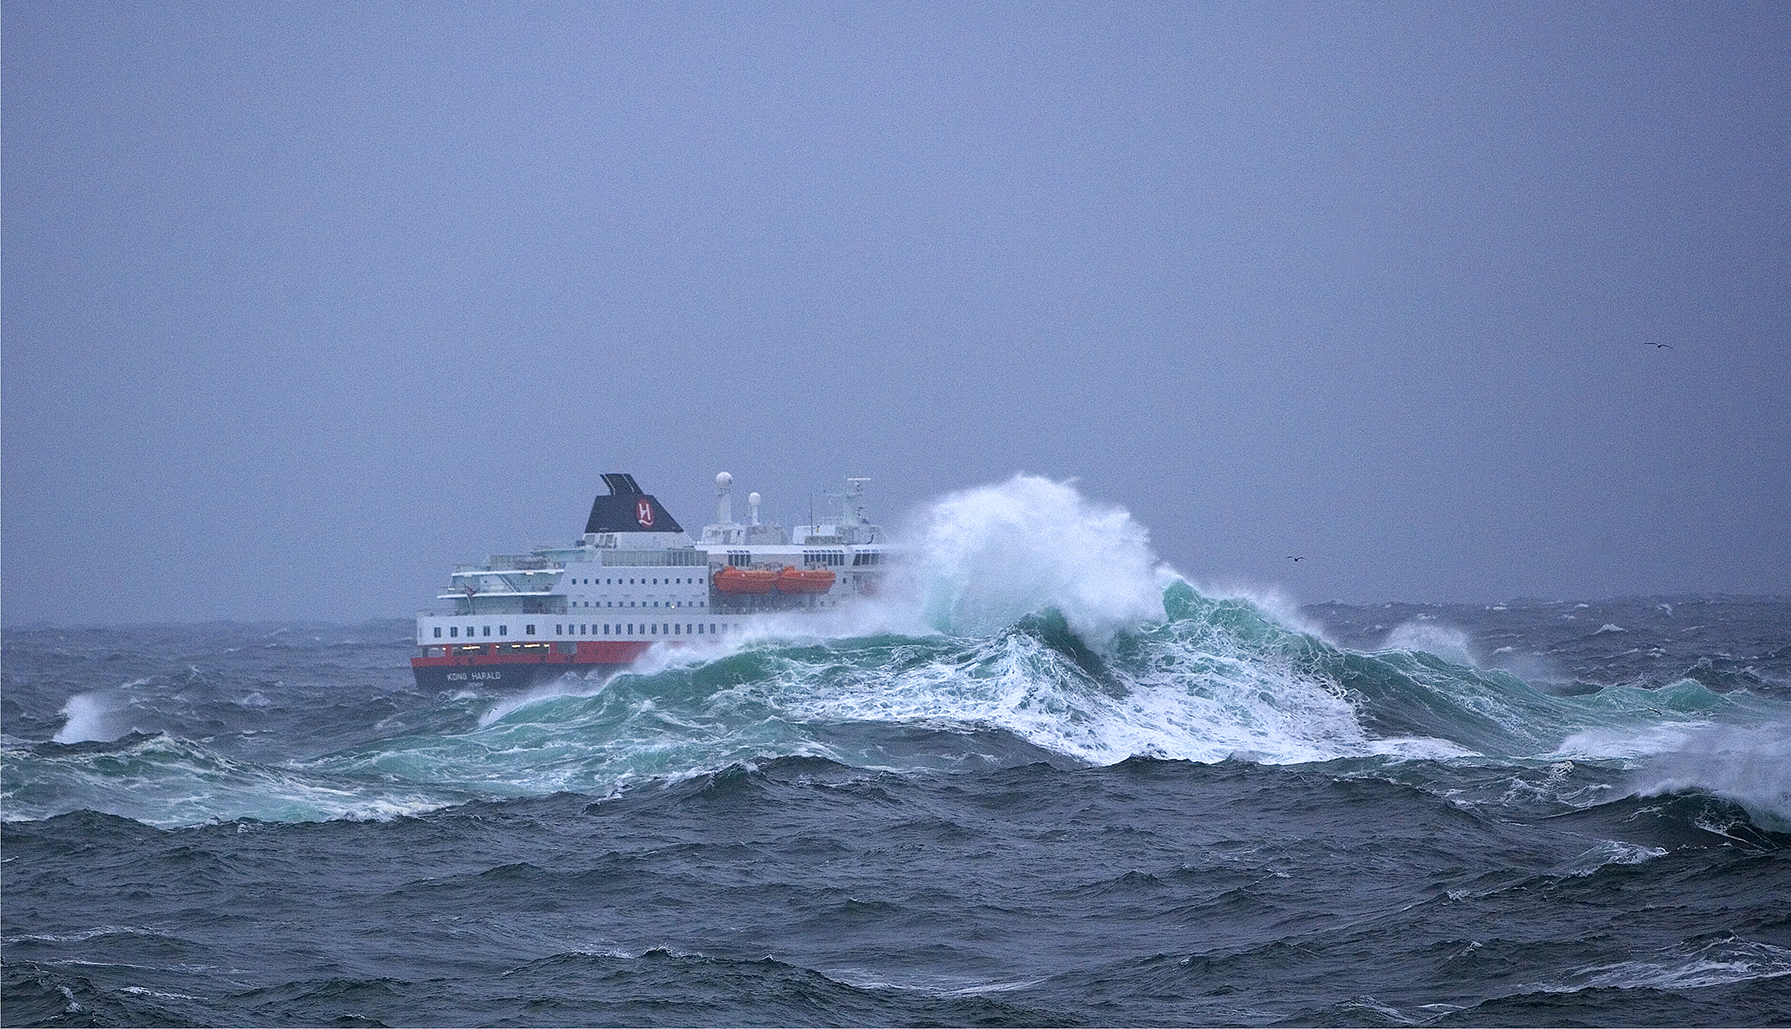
643	512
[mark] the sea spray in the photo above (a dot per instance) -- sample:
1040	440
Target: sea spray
1446	642
986	557
1749	765
88	718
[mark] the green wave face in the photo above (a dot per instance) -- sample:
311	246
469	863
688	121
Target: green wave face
1031	626
1214	679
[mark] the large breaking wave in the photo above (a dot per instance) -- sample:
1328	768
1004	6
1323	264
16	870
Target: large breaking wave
1031	625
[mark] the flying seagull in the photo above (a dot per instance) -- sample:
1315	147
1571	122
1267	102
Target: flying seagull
1663	346
1290	557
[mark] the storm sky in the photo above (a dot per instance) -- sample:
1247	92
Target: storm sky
305	302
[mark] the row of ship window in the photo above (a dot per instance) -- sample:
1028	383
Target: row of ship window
647	629
612	603
654	629
814	558
631	582
502	630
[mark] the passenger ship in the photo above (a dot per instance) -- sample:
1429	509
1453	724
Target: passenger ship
634	579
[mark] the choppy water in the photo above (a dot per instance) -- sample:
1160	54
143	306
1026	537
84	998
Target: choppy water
1055	784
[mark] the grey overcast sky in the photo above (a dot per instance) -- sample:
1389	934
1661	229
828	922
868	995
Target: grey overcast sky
304	302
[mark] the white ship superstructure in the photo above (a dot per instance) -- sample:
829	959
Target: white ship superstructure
635	578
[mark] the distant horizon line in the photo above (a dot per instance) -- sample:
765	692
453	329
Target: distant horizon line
1527	601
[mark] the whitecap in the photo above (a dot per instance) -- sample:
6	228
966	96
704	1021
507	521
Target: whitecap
1719	963
1610	852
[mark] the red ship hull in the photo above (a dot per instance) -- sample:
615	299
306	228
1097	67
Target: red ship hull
520	666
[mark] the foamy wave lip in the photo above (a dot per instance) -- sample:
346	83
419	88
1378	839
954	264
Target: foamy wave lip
1625	743
1749	766
1717	963
930	984
83	935
1419	748
144	991
1611	852
570	685
172	783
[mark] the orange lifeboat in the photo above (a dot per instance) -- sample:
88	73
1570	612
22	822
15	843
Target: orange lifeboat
799	580
732	580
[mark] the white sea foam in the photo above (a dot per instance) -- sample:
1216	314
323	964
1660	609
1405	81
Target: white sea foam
147	992
1718	963
1201	703
165	782
1611	852
1418	748
930	983
81	936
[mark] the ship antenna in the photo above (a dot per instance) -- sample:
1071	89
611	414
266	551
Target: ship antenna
724	512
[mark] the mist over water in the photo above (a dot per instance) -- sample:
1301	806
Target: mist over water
1032	652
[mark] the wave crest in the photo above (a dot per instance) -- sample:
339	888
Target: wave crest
989	556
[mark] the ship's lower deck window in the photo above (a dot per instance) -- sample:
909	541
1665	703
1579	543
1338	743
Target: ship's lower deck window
438	632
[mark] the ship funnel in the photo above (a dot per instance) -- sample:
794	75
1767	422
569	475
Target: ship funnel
724	507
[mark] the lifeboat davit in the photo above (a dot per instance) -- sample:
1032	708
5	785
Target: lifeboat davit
804	580
732	580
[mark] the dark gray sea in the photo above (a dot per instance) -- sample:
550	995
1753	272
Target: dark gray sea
1536	813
